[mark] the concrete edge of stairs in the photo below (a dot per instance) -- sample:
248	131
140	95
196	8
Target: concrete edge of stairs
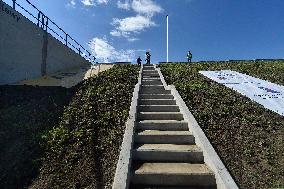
224	179
122	173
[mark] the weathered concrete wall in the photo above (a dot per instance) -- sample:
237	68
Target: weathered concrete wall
26	51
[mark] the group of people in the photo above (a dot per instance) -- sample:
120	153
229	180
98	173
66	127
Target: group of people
148	58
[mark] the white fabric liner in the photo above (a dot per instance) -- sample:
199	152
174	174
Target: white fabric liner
268	94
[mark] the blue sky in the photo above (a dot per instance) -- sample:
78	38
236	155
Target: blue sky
121	30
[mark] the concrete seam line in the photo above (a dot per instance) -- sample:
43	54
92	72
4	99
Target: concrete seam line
44	54
211	158
122	173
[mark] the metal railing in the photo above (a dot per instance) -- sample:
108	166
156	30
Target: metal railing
46	24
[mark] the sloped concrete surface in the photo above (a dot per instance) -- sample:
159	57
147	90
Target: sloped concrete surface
67	78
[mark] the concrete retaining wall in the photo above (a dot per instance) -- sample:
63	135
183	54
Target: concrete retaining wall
26	51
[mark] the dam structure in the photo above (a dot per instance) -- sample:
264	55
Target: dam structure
32	45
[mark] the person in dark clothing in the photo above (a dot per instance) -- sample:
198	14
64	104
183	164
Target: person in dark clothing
189	56
139	60
148	58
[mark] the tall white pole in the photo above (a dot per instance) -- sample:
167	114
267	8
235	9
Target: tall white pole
167	38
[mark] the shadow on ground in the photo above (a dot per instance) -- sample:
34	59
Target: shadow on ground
26	112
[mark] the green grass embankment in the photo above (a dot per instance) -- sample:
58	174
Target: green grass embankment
83	149
26	112
76	146
248	137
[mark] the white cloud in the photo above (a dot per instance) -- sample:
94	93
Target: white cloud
133	24
94	2
115	33
71	3
132	39
146	7
88	2
129	26
102	1
105	52
125	5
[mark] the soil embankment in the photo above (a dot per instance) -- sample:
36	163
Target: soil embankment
248	138
73	135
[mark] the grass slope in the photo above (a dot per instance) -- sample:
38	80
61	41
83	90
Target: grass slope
26	112
248	137
83	149
53	137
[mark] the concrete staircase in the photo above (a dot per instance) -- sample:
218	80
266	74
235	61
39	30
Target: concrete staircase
165	154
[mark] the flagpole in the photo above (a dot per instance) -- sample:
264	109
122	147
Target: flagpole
167	38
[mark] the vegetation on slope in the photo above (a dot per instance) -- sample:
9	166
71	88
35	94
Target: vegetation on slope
248	137
26	112
83	149
64	138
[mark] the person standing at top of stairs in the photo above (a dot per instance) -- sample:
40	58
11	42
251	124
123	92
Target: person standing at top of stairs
148	58
139	60
189	56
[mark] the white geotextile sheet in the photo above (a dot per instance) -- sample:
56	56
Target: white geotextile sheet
268	94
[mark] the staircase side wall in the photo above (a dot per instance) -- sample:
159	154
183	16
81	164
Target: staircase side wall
26	51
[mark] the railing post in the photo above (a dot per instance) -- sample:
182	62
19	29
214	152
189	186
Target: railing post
79	51
14	4
38	17
42	21
66	40
46	24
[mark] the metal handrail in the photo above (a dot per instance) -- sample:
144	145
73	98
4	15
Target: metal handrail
45	23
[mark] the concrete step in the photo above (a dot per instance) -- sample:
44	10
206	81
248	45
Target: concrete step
148	87
152	89
148	66
155	78
157	102
150	76
153	73
174	174
138	186
162	125
152	82
164	137
156	96
150	72
158	108
149	79
155	92
149	69
160	116
168	153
